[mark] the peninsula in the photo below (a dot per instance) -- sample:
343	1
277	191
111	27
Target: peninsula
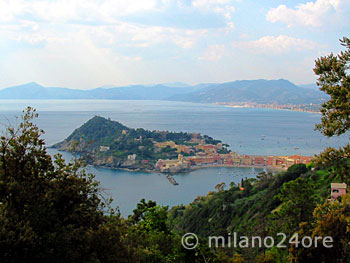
106	143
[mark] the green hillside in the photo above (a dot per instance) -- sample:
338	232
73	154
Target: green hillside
92	138
254	211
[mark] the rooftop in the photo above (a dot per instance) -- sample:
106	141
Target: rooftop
338	185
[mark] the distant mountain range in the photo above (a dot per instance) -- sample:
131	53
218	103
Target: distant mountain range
137	92
259	91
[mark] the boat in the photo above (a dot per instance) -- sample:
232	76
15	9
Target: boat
172	180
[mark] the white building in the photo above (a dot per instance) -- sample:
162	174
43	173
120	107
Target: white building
132	157
104	148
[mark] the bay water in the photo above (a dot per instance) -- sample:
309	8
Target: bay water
246	130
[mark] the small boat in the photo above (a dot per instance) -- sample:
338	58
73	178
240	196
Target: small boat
172	180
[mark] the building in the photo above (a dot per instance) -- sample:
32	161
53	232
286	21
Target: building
208	148
160	164
236	158
195	138
132	157
206	159
337	189
280	162
247	160
185	149
300	159
171	144
199	147
173	166
104	148
271	161
259	161
226	159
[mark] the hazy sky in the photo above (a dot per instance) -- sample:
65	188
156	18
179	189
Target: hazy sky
89	43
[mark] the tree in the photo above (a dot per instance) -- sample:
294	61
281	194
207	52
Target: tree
154	241
331	219
298	203
336	161
220	187
51	211
334	79
140	210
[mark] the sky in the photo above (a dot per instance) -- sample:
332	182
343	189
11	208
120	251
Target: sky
84	44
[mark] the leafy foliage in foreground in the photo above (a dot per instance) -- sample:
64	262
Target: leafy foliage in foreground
234	209
334	79
51	211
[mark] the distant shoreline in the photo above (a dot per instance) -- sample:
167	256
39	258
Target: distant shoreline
297	108
266	106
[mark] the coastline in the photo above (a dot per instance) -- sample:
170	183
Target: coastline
266	106
193	168
238	166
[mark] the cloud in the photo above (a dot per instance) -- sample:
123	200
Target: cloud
135	35
222	7
208	3
67	10
152	35
313	14
38	22
119	34
213	53
275	45
103	11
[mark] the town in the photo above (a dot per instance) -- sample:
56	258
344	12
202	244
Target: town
207	155
308	107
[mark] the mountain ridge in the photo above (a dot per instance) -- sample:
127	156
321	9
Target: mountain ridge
259	91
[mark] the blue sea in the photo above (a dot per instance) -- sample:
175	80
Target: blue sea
246	130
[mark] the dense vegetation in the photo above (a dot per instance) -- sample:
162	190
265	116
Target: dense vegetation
262	209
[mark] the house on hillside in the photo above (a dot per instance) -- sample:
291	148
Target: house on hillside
337	189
